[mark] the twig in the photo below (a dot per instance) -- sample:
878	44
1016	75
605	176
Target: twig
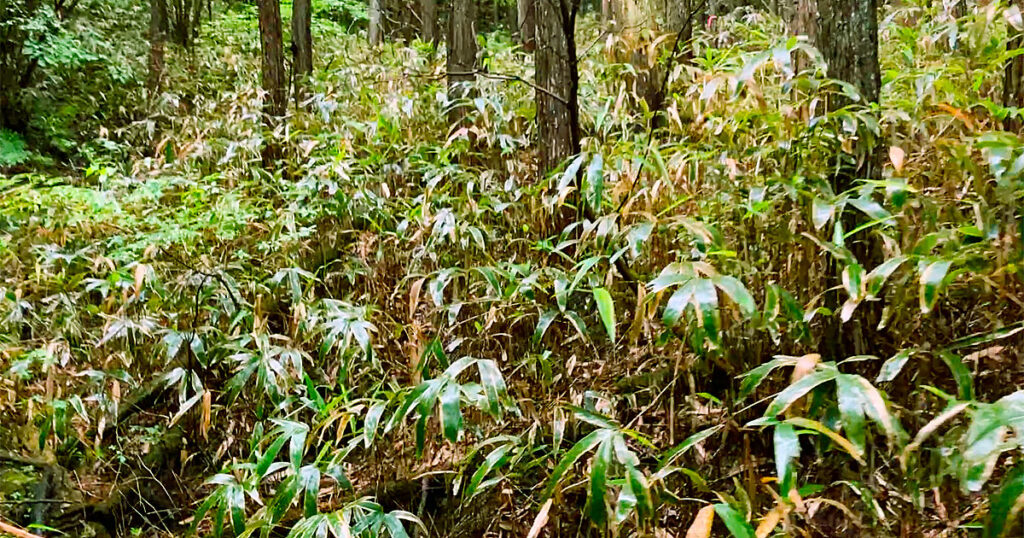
495	76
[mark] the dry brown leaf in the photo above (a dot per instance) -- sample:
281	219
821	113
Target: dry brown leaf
804	365
540	521
140	277
204	424
897	155
414	296
772	519
701	526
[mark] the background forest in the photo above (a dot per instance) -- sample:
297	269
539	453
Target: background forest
330	269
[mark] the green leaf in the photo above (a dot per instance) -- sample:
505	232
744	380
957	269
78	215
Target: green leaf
851	409
870	208
606	308
394	526
286	492
638	484
706	300
931	281
575	453
753	378
561	293
493	460
877	277
961	375
734	521
595	181
737	292
795	391
893	366
451	415
598	482
1005	504
687	444
577	323
542	324
677	304
787	449
494	386
821	212
853	276
816	426
268	457
309	477
373	416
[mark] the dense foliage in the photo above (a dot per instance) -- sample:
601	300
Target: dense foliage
404	328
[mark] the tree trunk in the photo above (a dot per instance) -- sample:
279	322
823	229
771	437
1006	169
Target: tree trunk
527	22
157	10
274	80
1013	76
373	33
558	79
847	36
302	46
428	20
461	56
606	11
802	16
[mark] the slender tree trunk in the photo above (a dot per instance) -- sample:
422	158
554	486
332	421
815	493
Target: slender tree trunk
157	11
1013	76
302	46
802	16
527	23
606	11
428	20
274	79
373	33
847	36
461	55
558	79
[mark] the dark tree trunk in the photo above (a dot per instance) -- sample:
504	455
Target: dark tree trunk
1013	76
527	23
461	55
274	80
302	46
847	36
157	10
428	20
558	79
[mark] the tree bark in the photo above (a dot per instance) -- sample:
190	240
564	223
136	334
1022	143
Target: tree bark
847	36
273	74
157	38
373	32
527	23
302	46
428	20
557	76
1013	76
461	61
802	16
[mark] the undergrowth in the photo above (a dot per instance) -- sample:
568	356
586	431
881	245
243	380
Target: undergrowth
403	326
